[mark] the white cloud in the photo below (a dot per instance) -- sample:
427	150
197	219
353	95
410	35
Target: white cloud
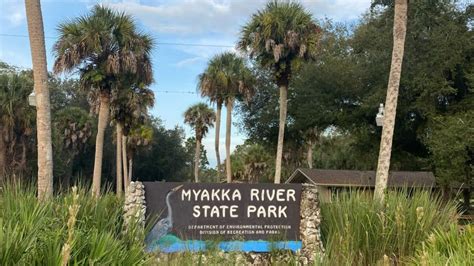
338	10
189	61
194	17
190	16
13	12
217	22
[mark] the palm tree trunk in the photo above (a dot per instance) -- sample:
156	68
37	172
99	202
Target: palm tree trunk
99	143
118	157
3	156
228	126
43	111
218	129
196	159
281	130
124	160
399	32
309	154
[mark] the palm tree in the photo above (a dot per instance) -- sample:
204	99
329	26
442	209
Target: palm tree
200	117
43	110
399	33
280	37
225	79
207	85
129	109
140	136
105	46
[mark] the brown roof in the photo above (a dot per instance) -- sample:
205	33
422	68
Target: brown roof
355	178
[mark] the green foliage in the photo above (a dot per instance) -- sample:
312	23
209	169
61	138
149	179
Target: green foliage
280	37
73	128
359	231
252	163
33	233
453	161
452	247
200	118
164	157
17	120
225	79
108	49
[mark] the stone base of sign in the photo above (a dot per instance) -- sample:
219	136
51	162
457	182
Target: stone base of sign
310	231
134	207
310	212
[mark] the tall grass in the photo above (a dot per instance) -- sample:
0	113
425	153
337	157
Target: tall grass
452	247
37	233
360	231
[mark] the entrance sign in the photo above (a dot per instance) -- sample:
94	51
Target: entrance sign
230	217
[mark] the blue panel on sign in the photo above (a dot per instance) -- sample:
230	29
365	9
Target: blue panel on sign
177	245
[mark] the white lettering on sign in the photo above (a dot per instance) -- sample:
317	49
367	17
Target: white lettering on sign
216	211
272	194
227	195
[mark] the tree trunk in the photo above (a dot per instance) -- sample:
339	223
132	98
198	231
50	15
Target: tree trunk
196	160
118	157
43	111
124	160
99	143
309	154
399	32
281	130
23	155
218	129
3	156
130	169
228	127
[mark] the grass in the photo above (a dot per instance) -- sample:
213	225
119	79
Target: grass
451	247
359	231
53	233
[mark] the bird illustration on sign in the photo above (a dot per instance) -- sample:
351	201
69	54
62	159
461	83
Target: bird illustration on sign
165	225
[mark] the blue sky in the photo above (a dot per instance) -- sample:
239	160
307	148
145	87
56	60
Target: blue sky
212	23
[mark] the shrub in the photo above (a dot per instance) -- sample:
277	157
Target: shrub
360	231
33	233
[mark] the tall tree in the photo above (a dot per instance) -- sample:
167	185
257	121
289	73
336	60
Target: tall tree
280	37
104	45
208	86
129	109
227	78
200	117
43	110
399	33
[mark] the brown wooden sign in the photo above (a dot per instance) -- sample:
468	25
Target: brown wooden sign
223	212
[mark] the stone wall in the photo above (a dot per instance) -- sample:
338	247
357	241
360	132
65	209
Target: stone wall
135	205
310	213
310	229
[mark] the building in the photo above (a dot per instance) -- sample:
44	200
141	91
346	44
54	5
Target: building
330	181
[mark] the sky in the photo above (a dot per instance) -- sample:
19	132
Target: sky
187	34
